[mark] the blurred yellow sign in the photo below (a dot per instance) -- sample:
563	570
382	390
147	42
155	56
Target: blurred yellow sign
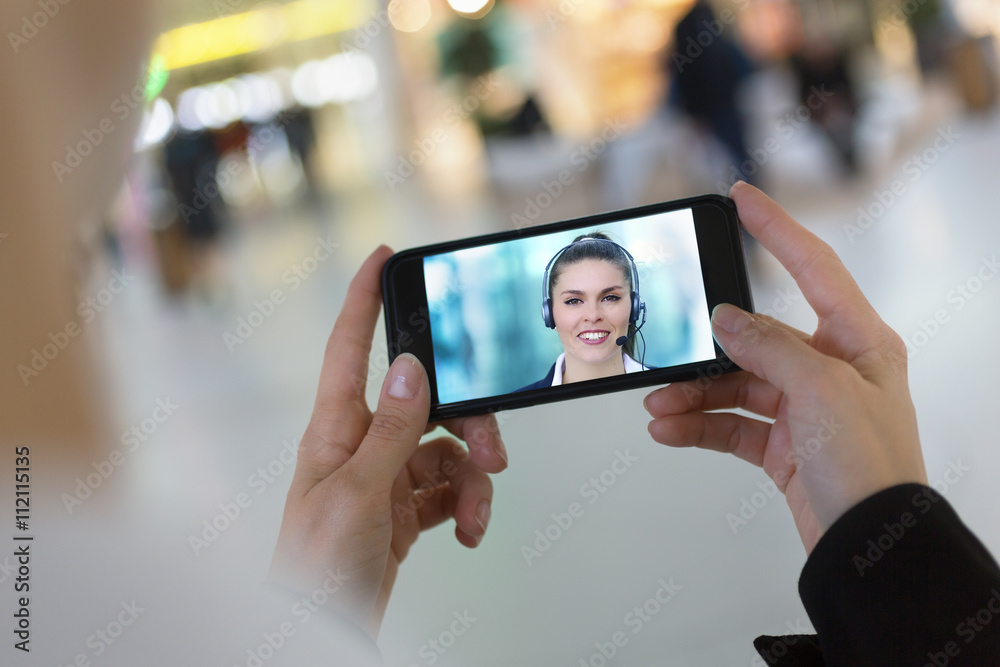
264	26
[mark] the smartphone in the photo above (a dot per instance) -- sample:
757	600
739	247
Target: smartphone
576	308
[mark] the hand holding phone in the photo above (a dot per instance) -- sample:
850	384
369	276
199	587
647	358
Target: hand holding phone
575	308
386	486
844	424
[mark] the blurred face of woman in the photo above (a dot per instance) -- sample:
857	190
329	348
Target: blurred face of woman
591	307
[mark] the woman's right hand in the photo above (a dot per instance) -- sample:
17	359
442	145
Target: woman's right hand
844	423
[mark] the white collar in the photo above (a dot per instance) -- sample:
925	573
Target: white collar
631	366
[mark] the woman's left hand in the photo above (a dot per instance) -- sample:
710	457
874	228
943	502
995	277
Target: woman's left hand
364	486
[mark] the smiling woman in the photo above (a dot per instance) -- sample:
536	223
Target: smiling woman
592	301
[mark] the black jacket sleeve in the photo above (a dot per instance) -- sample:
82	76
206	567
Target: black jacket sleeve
897	580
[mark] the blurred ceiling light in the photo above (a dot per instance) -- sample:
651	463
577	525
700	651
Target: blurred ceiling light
204	110
409	15
257	97
244	101
472	8
156	124
187	119
258	29
344	77
260	97
305	86
224	104
353	75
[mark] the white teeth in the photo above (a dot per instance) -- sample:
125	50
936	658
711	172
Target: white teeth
593	335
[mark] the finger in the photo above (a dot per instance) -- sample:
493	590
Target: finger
735	390
482	434
397	424
801	335
825	281
341	415
770	352
467	496
434	463
718	431
433	509
345	371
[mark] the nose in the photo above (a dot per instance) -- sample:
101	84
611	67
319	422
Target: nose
595	313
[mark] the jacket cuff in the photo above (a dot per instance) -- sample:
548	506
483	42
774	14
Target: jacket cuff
893	579
789	650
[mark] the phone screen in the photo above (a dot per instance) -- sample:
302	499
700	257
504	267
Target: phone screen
628	299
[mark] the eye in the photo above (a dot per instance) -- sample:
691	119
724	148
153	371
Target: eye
572	301
612	297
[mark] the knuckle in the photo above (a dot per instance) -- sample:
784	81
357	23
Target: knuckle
321	450
757	329
893	347
389	421
733	442
743	389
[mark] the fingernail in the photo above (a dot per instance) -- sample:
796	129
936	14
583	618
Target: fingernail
730	318
483	514
499	448
738	184
404	377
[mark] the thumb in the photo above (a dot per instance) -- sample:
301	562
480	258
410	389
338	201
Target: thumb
770	352
399	421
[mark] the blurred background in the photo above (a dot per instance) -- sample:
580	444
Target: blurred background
282	141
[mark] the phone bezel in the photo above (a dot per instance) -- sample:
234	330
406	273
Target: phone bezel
724	275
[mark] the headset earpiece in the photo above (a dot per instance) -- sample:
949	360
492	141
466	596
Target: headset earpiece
547	316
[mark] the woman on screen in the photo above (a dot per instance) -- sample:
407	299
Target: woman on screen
590	296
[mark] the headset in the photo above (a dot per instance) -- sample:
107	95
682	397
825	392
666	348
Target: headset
638	305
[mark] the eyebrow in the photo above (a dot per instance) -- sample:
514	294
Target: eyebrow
603	291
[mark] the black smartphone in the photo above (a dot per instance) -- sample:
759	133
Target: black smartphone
569	309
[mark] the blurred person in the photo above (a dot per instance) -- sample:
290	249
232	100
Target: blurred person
934	29
827	91
300	131
591	299
191	159
707	68
487	59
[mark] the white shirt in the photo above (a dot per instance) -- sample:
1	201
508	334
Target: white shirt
631	366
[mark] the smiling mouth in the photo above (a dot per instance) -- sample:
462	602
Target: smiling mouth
593	337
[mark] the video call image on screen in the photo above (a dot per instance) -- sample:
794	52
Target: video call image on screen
487	329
